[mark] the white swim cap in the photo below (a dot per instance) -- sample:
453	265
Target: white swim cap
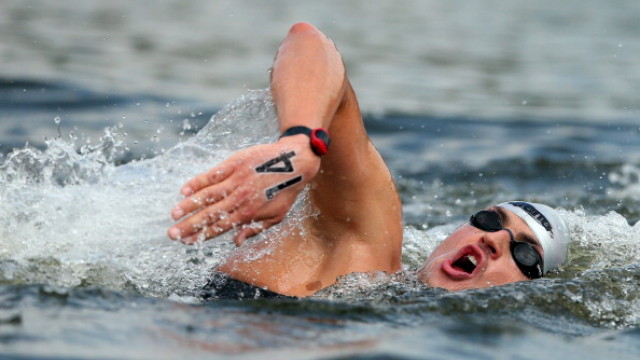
548	227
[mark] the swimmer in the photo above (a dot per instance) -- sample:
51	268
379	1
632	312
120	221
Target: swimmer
357	222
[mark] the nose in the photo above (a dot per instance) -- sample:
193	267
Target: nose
497	243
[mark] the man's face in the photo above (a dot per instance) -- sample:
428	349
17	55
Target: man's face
471	258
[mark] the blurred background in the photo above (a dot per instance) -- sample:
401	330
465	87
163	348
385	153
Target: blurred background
574	59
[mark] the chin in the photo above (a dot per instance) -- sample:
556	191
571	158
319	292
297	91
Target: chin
439	280
454	285
432	274
447	284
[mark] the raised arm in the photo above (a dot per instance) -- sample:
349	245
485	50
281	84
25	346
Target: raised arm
358	226
307	85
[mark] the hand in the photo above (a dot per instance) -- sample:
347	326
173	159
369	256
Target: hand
253	190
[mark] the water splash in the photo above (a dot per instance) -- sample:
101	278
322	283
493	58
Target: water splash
70	217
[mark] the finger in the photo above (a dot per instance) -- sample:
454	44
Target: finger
247	231
213	176
257	226
215	229
202	198
213	213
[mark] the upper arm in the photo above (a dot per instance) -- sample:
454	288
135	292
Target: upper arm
355	195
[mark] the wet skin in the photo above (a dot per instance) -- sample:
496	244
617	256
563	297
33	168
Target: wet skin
471	258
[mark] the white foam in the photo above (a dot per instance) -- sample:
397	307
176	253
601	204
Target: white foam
75	219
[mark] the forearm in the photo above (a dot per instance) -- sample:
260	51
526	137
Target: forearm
307	79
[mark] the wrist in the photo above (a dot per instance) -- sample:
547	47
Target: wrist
298	143
318	138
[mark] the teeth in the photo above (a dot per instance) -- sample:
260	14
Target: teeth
473	259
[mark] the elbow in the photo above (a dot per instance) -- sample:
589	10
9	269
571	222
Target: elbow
303	27
310	36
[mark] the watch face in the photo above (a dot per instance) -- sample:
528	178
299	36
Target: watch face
322	135
319	141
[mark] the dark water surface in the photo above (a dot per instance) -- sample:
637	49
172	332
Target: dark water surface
470	104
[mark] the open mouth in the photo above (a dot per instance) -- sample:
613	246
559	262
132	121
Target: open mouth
465	264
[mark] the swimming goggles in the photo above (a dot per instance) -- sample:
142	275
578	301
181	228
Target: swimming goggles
524	254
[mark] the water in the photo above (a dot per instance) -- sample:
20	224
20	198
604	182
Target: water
470	104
